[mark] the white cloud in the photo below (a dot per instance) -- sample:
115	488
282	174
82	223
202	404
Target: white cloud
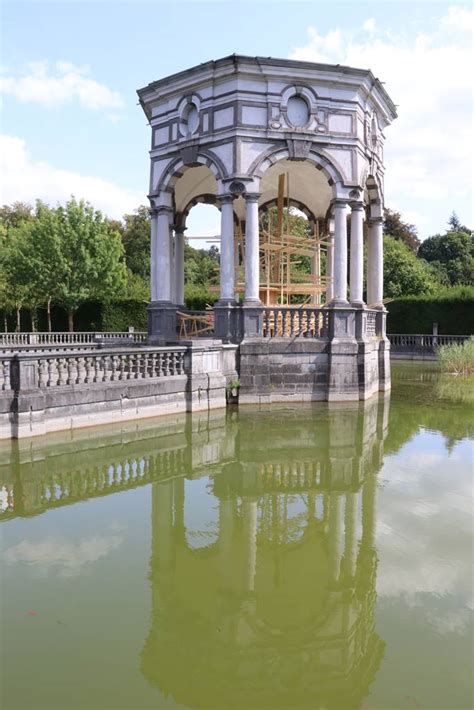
429	146
25	180
66	557
63	85
369	25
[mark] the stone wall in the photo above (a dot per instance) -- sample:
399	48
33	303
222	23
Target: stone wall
52	392
284	370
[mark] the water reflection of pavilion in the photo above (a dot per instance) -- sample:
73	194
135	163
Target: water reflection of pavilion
274	608
278	610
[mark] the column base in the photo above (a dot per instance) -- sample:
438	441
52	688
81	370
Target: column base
338	303
252	319
226	320
162	322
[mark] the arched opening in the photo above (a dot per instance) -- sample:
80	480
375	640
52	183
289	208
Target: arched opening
294	233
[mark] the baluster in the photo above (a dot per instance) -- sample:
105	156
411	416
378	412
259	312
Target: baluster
53	374
72	371
42	373
105	368
89	370
166	364
81	370
62	372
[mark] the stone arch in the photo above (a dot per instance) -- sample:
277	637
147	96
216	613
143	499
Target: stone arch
293	203
190	158
271	156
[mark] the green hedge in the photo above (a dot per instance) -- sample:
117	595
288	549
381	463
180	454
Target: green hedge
453	311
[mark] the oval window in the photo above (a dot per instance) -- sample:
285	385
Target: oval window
192	118
297	111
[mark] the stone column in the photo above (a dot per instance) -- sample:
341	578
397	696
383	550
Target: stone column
163	257
161	311
375	262
179	265
316	271
227	249
340	253
357	254
249	511
252	256
350	542
335	535
154	254
226	532
172	268
330	263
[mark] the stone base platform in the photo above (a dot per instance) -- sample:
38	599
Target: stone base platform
299	370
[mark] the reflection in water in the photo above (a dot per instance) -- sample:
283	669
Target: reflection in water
261	585
278	611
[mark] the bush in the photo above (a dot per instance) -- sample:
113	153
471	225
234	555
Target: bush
452	309
198	298
457	358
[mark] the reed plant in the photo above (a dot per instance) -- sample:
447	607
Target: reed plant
457	358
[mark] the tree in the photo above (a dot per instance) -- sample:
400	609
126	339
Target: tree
451	253
67	254
90	257
12	216
136	241
32	260
394	226
404	273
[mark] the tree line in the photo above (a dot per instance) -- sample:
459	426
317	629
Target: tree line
69	254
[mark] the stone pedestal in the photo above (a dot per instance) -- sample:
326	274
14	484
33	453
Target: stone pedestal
384	350
251	320
226	320
162	322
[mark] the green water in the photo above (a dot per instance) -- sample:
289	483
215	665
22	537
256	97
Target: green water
285	557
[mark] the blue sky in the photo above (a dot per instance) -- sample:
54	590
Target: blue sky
69	72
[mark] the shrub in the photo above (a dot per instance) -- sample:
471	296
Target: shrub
452	309
457	358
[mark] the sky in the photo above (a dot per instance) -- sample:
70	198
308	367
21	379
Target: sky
70	70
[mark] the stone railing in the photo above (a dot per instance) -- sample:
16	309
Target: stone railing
419	343
23	371
289	322
82	338
48	490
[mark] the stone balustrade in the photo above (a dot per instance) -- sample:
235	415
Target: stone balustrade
25	371
55	490
288	322
62	338
419	343
49	391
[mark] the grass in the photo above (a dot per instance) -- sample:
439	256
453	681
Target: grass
458	358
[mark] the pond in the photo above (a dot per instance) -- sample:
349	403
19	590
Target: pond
295	556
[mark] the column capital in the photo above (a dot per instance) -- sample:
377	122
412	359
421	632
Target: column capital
161	209
375	220
225	198
357	206
252	196
339	202
179	229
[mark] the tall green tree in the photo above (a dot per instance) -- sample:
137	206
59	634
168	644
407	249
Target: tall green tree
451	253
395	227
32	254
136	241
90	257
67	255
404	273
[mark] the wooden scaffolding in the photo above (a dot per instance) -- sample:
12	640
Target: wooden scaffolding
281	282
